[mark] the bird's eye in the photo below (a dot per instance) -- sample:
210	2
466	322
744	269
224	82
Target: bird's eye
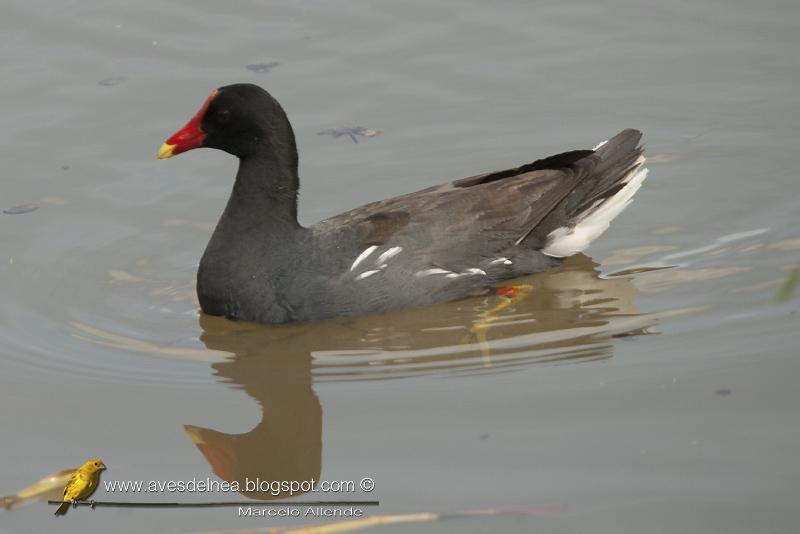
97	464
223	115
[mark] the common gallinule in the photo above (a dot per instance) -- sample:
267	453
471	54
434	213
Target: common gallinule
442	243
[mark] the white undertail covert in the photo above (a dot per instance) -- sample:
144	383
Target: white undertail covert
590	224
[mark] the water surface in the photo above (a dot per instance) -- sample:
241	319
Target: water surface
647	385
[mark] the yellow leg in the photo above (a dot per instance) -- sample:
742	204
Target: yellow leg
510	295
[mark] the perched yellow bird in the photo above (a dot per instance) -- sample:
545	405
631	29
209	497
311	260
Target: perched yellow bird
82	483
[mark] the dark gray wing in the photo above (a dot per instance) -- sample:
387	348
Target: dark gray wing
458	238
461	224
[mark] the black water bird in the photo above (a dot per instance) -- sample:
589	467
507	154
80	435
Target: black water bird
443	243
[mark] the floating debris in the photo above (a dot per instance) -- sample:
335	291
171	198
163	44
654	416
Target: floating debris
49	487
786	292
19	210
115	80
353	132
262	67
724	392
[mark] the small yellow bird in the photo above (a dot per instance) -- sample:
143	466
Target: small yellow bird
82	483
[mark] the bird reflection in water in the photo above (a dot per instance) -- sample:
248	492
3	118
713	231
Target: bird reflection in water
568	314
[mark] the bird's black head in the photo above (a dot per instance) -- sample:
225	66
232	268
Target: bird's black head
241	119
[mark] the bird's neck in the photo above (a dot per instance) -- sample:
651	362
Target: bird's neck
265	191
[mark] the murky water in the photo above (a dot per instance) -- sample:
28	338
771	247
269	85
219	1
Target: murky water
650	385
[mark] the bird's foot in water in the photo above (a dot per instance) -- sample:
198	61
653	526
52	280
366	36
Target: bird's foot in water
477	333
514	291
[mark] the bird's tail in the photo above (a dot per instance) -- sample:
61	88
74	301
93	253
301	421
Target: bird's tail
62	509
589	208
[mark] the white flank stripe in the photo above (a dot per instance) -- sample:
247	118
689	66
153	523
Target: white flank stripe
569	240
389	254
428	272
468	272
601	144
499	260
361	257
451	274
366	274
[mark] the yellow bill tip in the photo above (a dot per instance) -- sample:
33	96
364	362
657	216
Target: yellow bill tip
166	151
